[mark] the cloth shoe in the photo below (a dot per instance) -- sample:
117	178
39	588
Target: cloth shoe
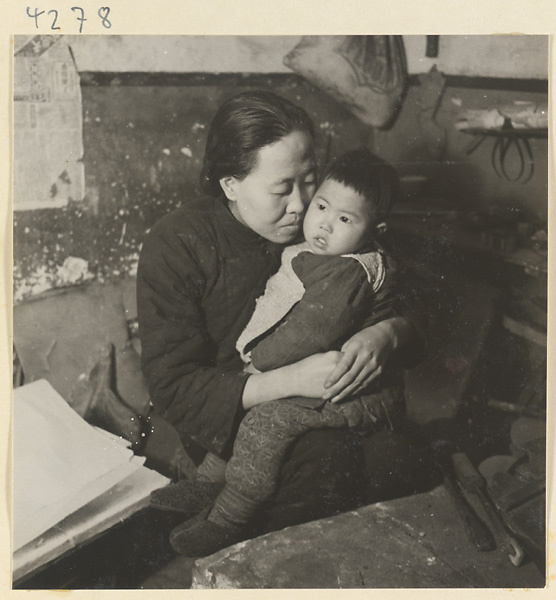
188	496
201	537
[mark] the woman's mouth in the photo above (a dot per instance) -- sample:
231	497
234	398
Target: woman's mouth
294	224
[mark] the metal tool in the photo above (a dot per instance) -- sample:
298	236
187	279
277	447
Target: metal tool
473	483
525	411
475	529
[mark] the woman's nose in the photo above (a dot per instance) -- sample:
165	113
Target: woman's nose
296	202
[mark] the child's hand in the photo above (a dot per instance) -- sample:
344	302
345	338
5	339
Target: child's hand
307	377
250	368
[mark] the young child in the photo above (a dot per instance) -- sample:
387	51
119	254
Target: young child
323	292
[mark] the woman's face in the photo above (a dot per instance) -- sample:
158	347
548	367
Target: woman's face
272	199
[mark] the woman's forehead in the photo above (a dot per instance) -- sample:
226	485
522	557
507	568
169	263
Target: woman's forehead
287	157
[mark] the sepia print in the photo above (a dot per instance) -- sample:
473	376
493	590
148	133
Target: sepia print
280	311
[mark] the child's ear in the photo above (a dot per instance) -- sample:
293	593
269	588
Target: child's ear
380	229
228	185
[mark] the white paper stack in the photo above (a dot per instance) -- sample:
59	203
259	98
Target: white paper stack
60	462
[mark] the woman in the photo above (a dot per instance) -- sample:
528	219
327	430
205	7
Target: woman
201	269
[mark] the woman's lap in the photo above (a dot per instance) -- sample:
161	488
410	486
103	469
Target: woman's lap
330	471
322	475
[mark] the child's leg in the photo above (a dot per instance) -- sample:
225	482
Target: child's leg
191	495
263	439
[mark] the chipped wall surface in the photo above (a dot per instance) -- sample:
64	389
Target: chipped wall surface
143	144
522	56
143	153
182	54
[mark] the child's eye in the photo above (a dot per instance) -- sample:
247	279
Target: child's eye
321	206
345	220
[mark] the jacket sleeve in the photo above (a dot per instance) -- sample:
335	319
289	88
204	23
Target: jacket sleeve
177	354
336	301
407	302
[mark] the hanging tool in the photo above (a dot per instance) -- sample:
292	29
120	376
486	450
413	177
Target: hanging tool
473	483
508	140
432	46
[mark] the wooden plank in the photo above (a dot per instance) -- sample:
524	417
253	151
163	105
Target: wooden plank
82	527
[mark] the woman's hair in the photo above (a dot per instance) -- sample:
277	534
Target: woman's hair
241	127
372	177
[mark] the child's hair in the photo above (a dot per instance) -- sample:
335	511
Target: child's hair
372	177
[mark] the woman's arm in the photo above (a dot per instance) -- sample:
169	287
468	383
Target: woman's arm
365	355
401	332
189	390
336	302
303	378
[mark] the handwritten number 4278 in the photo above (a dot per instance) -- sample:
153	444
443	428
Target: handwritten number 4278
103	13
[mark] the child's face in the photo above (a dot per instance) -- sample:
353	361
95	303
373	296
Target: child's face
338	221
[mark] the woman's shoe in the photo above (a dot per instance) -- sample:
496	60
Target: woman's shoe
97	401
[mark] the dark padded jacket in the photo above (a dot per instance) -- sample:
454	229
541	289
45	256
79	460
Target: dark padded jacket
200	272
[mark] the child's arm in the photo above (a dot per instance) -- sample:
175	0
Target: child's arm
336	301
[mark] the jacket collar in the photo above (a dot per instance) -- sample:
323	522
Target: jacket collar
234	229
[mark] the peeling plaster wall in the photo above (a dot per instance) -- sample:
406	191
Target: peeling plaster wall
143	144
143	152
183	54
508	55
523	56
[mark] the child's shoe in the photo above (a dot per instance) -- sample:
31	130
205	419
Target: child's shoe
188	496
201	537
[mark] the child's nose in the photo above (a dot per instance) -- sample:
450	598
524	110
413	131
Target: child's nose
326	225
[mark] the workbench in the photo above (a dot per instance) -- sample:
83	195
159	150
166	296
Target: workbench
414	542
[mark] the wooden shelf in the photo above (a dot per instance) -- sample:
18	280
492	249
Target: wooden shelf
507	131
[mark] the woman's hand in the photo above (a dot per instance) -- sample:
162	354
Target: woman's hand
364	357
